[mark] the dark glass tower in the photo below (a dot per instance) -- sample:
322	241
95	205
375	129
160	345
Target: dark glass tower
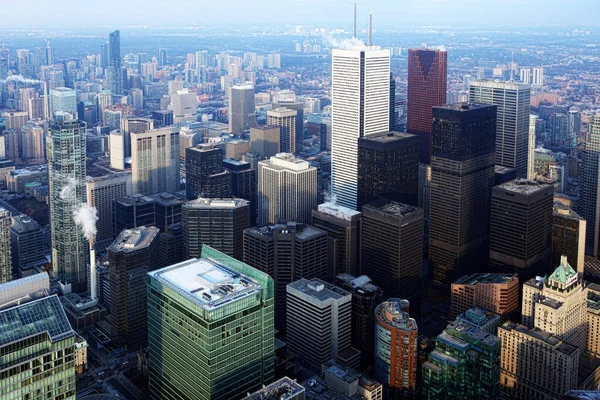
132	211
393	115
243	183
426	89
204	173
114	77
462	177
388	167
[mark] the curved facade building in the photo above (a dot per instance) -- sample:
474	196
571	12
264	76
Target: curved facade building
395	349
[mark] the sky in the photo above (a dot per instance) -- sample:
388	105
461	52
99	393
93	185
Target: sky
43	14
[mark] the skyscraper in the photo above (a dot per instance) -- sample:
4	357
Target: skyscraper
204	173
396	349
287	189
538	77
298	106
113	70
287	252
184	106
427	70
155	161
243	183
285	119
131	256
568	236
521	228
132	211
241	108
6	271
218	223
531	148
27	244
462	176
388	167
265	140
512	120
220	309
360	99
66	145
498	293
63	99
588	197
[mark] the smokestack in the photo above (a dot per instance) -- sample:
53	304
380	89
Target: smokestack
93	276
370	28
354	20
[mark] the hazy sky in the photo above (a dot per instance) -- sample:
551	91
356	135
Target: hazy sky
32	14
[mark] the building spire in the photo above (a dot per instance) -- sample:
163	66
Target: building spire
354	21
512	65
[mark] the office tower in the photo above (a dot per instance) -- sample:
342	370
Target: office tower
171	245
557	304
112	119
388	167
297	143
286	120
462	176
236	148
427	70
101	192
521	228
424	195
498	293
184	106
536	364
393	114
218	223
512	120
464	365
243	183
26	244
558	130
162	118
319	323
219	308
287	252
356	73
24	95
287	189
325	134
574	122
241	108
204	173
15	119
342	225
531	148
538	77
37	333
6	270
63	99
568	236
119	142
113	70
36	108
588	197
395	349
66	147
285	388
162	57
131	256
392	247
32	141
167	210
365	299
86	110
265	140
137	99
132	211
155	161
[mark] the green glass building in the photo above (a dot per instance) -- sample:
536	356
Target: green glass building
210	329
464	365
37	352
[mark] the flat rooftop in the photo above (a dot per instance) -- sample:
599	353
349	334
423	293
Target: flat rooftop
302	231
394	208
464	106
560	209
134	239
318	289
166	199
134	199
216	203
473	335
391	136
539	334
207	283
485	278
235	162
523	186
283	389
337	211
286	161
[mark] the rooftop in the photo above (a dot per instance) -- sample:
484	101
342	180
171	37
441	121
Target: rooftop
337	211
543	336
134	199
235	162
24	289
523	186
302	231
459	334
134	239
394	208
286	161
265	127
512	85
465	106
216	203
166	199
485	278
283	389
361	283
386	137
38	169
317	289
560	209
206	283
391	312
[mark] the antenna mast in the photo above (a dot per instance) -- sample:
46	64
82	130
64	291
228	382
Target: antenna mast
354	20
370	28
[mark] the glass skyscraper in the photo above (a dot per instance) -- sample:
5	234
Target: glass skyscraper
114	79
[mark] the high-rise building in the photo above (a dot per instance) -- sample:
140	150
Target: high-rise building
241	108
155	161
162	57
525	75
498	293
462	176
285	119
220	309
521	228
531	147
243	183
395	349
388	167
184	106
66	146
265	140
101	191
32	141
6	271
298	143
360	106
568	236
538	77
167	210
427	76
588	197
26	245
394	126
464	365
287	189
287	252
392	247
512	120
283	389
204	173
132	211
63	99
114	81
319	323
131	256
365	299
342	225
86	110
218	223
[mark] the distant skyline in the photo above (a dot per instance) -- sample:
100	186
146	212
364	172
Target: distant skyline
42	14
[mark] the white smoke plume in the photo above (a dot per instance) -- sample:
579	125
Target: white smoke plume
330	197
84	215
19	78
349	44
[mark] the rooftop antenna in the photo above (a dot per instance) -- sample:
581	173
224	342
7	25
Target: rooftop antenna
370	27
354	20
512	67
